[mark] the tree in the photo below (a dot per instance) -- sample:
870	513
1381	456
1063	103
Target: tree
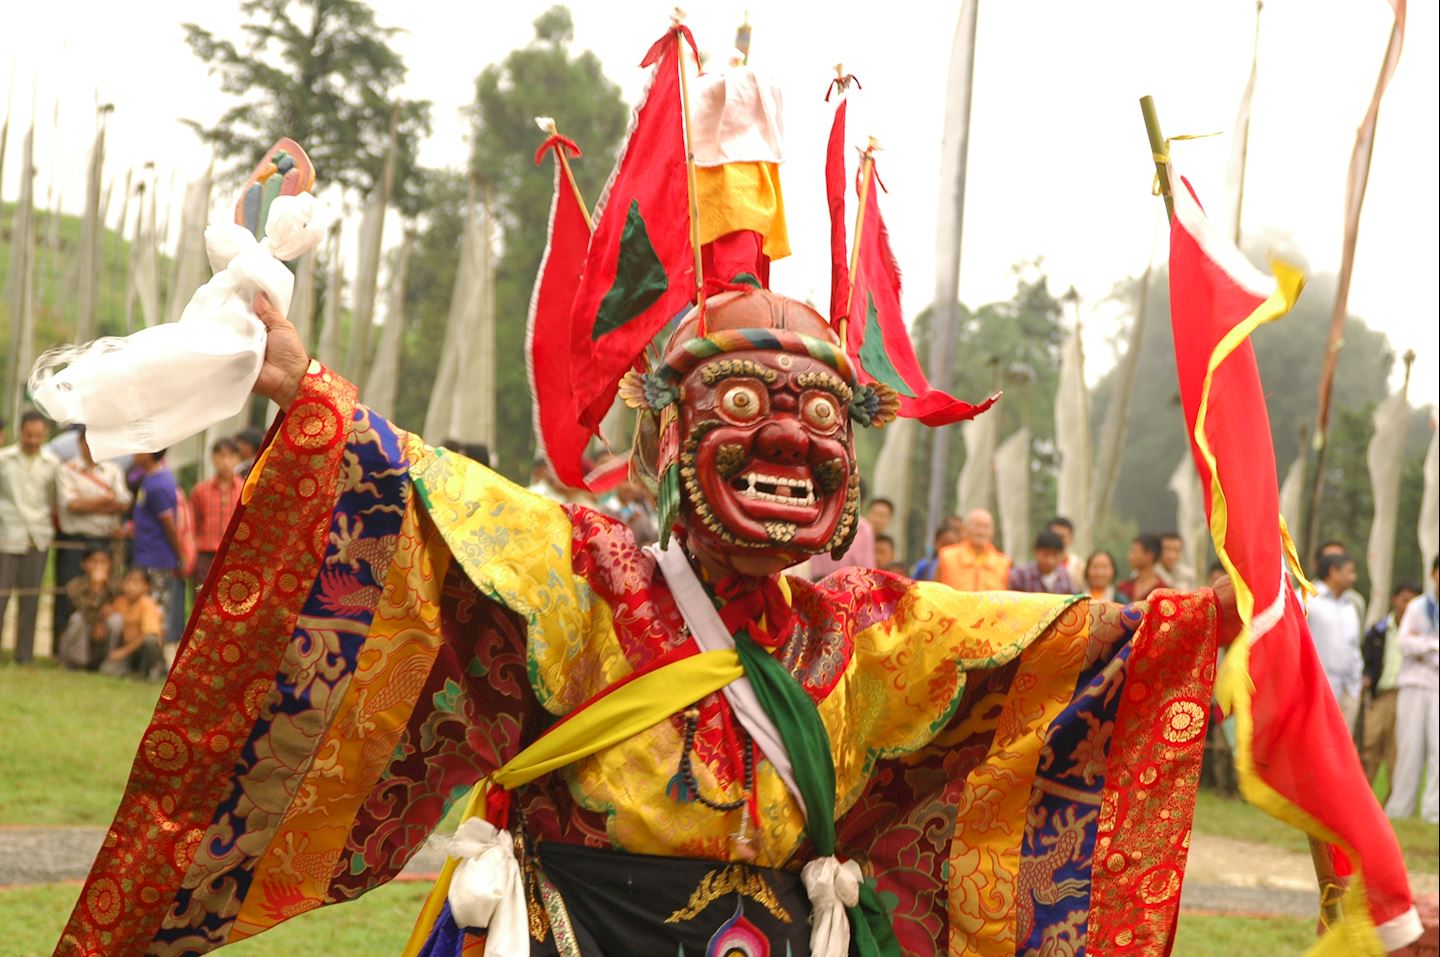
1021	334
1289	353
320	71
541	79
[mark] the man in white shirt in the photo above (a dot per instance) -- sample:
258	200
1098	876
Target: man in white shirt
93	499
27	525
1417	711
1335	626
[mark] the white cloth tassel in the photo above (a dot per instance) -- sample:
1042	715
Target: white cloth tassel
832	886
168	382
487	891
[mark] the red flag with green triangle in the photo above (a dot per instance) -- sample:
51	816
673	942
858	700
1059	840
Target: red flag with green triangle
876	337
640	266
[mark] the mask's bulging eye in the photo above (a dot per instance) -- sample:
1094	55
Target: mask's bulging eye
820	412
742	402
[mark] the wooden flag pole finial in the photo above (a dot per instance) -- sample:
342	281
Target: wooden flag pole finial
1160	151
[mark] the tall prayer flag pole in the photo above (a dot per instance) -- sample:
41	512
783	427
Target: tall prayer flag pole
1356	181
675	19
1242	125
955	152
867	173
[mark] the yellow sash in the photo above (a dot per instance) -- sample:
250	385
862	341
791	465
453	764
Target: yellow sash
608	720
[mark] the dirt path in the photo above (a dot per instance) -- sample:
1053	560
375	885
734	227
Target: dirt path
1224	876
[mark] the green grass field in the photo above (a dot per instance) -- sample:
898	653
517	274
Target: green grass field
379	925
66	741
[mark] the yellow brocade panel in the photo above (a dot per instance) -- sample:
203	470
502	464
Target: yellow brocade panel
908	672
990	818
743	196
390	671
515	546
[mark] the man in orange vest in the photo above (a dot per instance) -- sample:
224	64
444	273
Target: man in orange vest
975	564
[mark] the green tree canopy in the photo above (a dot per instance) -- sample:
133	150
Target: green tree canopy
540	79
1018	340
321	71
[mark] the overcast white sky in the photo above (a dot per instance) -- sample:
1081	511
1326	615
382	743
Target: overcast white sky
1059	166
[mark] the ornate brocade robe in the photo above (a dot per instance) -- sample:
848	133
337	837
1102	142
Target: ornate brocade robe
386	623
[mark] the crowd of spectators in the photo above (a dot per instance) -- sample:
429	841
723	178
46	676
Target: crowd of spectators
129	546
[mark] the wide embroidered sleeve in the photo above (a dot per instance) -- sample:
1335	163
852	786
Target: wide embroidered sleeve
345	676
1049	803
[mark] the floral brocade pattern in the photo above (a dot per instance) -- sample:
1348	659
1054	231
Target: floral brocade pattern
1152	774
388	624
221	683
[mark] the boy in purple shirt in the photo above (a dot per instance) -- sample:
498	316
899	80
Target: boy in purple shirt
157	539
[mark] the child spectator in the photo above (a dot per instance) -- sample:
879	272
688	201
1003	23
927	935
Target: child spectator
1145	576
884	551
1047	573
213	501
93	628
137	651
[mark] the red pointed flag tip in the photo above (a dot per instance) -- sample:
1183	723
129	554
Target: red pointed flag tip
640	266
1295	756
559	435
876	337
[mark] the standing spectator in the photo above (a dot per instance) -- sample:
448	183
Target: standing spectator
1336	629
1145	577
27	525
157	540
1213	575
1100	573
926	568
93	497
93	628
1417	712
213	501
137	653
1351	595
1172	562
884	551
1065	528
860	554
974	563
1047	573
880	512
247	442
1381	653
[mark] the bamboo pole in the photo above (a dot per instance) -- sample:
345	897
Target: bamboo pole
1331	889
1245	133
867	173
690	168
549	127
1357	180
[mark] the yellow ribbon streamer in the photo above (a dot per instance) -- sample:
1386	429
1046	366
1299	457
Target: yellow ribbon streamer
619	715
1163	159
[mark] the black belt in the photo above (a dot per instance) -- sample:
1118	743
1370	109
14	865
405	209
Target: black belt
638	905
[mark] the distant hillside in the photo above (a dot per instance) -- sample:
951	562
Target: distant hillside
57	279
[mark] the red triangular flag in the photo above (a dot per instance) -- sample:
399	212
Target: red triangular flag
876	337
1295	756
835	195
559	436
640	266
